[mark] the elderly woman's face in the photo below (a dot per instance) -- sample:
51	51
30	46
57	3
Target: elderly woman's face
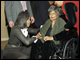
28	22
53	15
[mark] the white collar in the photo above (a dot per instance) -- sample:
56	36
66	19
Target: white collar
24	32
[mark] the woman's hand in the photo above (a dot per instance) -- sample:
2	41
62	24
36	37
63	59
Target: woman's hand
46	38
39	36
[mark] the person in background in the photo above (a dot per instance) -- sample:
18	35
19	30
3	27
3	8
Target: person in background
13	8
40	12
51	2
19	44
71	11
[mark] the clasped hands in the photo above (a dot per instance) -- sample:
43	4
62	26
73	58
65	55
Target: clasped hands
46	38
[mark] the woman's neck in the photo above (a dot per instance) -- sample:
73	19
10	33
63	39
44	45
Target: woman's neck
53	22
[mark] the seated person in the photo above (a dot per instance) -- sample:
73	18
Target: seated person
19	44
46	45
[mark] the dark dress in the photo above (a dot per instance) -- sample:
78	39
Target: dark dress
43	50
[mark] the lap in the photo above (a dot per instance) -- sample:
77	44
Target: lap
42	48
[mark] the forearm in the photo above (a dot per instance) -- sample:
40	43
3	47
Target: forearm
25	40
33	31
28	41
61	36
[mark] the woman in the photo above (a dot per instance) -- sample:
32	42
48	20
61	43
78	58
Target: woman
46	45
19	44
70	9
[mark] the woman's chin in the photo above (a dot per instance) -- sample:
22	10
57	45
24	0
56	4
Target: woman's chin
52	19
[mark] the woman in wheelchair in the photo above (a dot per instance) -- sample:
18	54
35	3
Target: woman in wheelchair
19	44
46	44
68	33
71	31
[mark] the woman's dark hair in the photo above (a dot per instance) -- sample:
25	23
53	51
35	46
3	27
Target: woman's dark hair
21	19
56	9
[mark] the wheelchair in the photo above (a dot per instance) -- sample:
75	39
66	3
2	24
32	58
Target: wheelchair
68	51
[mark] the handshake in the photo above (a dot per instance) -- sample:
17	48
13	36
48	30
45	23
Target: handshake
46	38
38	36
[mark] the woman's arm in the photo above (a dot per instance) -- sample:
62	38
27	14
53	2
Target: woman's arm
46	38
33	31
39	35
60	35
22	38
66	35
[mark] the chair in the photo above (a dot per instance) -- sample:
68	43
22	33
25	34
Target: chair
68	51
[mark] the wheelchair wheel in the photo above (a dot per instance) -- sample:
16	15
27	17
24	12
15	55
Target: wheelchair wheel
70	49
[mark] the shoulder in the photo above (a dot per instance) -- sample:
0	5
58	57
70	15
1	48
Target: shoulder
47	21
61	20
15	29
